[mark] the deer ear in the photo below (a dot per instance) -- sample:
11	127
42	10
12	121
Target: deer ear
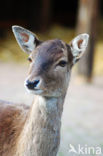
78	46
25	38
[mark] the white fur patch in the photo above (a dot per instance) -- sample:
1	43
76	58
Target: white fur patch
20	33
30	44
76	50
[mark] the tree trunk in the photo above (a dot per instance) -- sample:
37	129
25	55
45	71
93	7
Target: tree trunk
45	15
87	23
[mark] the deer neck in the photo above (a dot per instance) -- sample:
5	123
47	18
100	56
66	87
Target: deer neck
41	132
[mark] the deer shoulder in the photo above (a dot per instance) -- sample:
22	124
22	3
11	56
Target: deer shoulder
12	119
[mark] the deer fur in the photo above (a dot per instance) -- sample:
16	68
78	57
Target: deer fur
35	130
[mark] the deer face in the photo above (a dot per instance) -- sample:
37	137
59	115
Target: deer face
50	61
50	68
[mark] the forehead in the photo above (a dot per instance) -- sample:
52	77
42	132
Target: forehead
52	50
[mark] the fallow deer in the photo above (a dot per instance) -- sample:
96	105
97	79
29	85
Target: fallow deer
35	130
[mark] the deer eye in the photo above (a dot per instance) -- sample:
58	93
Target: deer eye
29	59
62	63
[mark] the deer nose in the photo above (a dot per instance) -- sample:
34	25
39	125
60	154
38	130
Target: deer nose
32	84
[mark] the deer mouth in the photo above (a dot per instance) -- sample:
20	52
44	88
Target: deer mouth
34	91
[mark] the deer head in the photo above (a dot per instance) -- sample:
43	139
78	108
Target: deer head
50	61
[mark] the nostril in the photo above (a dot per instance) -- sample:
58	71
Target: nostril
36	83
32	85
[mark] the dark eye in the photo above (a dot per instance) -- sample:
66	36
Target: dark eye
62	63
29	59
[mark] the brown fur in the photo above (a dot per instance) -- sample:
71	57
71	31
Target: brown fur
12	119
35	131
